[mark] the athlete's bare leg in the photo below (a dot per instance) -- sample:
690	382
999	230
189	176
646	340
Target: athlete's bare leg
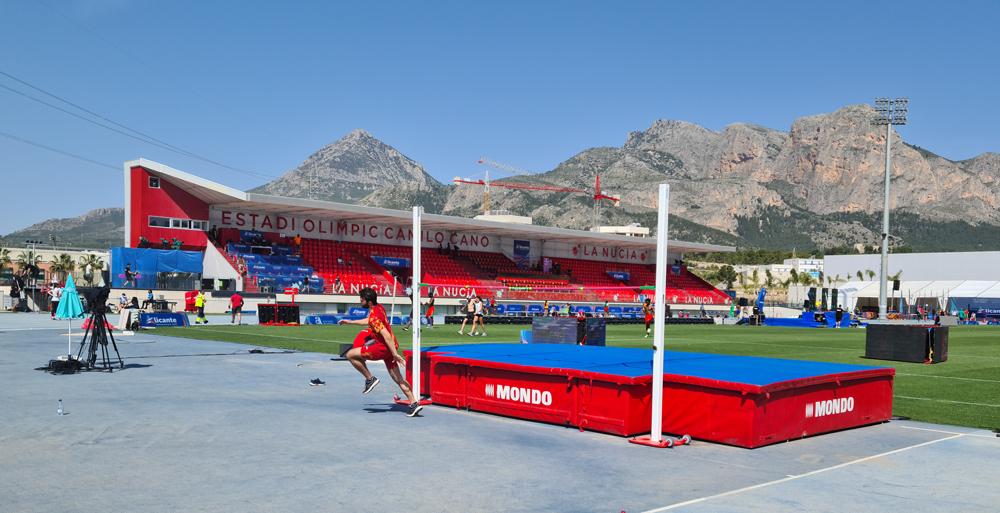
358	361
403	384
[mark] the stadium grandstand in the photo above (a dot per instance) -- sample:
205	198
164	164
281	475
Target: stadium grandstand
263	245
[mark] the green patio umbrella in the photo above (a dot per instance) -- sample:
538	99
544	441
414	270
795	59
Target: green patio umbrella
69	308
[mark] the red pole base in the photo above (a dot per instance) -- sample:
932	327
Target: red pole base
399	400
664	442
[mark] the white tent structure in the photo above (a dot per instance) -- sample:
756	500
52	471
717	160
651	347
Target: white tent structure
933	293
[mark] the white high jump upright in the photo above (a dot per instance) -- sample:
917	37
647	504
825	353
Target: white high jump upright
415	316
655	438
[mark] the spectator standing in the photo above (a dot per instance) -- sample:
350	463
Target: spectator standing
430	309
199	304
236	308
55	293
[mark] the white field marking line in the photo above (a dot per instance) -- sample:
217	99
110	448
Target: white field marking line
991	437
807	474
31	329
948	377
947	401
257	335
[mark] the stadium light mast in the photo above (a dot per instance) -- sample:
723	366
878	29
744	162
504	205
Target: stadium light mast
888	112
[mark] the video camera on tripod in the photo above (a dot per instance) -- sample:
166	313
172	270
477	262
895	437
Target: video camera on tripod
97	332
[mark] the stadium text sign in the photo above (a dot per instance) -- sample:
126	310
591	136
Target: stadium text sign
519	394
350	231
829	407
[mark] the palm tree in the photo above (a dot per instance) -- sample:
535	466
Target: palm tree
27	259
89	264
794	276
5	259
62	264
768	278
871	274
861	276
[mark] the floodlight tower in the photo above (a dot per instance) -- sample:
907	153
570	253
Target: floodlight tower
888	112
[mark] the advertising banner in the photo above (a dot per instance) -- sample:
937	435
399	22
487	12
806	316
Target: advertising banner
152	320
393	262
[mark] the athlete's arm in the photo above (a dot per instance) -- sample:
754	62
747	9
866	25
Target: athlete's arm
358	321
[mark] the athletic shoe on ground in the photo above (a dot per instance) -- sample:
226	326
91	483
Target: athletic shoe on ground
316	382
483	333
460	332
414	409
370	384
472	334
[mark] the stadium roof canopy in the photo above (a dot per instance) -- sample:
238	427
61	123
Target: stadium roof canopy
218	195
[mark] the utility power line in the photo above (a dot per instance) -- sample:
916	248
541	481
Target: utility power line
123	130
57	150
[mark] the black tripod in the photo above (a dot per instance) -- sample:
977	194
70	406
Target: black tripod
99	335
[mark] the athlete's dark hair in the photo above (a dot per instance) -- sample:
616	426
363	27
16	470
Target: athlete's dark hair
368	294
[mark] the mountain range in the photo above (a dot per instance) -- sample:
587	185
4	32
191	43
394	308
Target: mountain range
818	185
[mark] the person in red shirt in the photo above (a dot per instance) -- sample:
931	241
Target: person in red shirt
378	343
236	308
647	311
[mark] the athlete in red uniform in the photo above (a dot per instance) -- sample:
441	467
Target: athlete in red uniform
430	309
647	310
378	343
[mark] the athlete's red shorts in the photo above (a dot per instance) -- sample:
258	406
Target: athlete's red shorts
373	349
649	319
430	312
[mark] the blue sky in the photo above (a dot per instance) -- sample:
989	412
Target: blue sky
259	85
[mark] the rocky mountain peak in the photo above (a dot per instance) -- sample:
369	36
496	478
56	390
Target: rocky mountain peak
350	169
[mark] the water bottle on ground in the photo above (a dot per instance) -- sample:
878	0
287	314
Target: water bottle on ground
59	410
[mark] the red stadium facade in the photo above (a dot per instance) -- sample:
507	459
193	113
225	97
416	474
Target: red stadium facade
345	247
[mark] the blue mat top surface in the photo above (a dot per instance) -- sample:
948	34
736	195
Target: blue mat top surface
635	362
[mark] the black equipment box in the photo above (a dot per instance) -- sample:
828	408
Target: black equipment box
907	342
568	330
280	313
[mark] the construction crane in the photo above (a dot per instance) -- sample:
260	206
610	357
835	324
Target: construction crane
597	194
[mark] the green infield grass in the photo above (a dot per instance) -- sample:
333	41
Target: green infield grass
965	390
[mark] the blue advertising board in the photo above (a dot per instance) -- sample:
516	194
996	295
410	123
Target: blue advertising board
522	253
619	275
981	306
394	262
153	320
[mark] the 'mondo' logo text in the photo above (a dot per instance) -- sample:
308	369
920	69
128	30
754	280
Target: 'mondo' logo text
519	394
830	407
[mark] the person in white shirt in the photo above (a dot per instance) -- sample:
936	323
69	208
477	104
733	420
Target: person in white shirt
478	316
55	294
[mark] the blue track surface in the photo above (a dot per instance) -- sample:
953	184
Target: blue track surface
634	362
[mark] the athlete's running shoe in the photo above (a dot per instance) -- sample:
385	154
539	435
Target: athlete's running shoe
316	382
414	409
370	384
